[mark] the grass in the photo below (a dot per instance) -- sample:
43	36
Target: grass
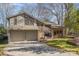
62	43
2	46
61	38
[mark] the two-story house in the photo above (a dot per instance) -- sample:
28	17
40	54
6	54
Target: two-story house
24	27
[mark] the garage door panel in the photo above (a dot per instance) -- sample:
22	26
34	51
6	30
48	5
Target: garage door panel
17	36
31	35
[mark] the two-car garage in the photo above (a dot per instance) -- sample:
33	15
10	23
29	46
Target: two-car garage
21	35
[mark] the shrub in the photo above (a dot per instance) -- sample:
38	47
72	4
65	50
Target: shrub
74	41
3	39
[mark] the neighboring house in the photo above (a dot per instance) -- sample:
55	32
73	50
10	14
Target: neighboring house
24	27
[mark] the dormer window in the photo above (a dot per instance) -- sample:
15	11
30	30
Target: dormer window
15	21
29	21
26	21
20	20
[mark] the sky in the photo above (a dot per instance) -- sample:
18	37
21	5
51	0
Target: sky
77	5
17	8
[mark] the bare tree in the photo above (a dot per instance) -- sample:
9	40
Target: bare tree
4	10
54	9
43	11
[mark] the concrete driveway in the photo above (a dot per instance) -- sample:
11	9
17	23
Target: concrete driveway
34	49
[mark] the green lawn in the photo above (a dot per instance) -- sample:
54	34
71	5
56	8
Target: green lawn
2	46
62	43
